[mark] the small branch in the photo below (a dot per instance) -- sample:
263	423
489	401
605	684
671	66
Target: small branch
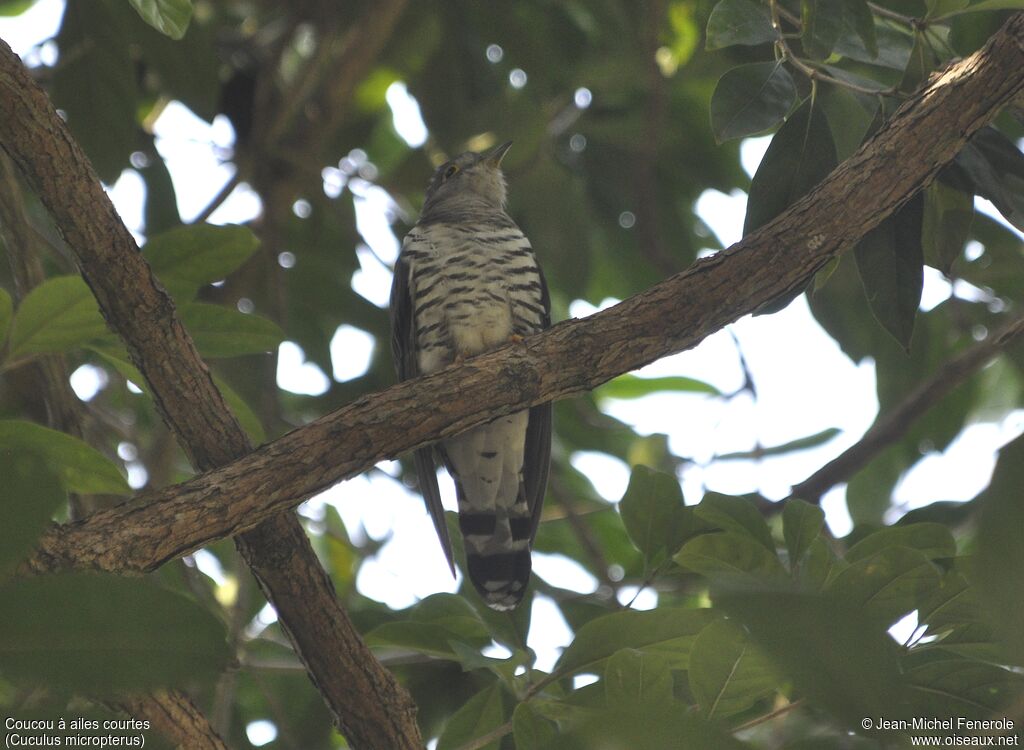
769	716
916	24
892	425
786	54
486	739
174	715
224	193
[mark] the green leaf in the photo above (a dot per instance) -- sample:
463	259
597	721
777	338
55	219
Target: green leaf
890	260
892	46
531	730
667	632
822	25
987	5
223	332
818	566
933	540
945	8
750	99
953	603
963	688
735	514
117	357
81	467
801	155
649	510
29	495
57	315
246	416
102	633
15	7
837	657
999	569
730	557
170	17
96	85
189	257
887	585
801	525
858	16
800	444
6	314
424	637
630	386
996	167
946	226
727	673
634	678
434	624
482	713
738	22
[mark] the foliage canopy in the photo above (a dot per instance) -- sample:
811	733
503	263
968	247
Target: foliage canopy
768	632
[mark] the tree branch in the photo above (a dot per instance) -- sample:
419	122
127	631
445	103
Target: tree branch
369	705
170	712
892	425
574	356
174	715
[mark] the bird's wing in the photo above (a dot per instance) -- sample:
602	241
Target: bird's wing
537	456
403	348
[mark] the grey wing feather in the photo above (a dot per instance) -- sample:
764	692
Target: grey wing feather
403	348
537	456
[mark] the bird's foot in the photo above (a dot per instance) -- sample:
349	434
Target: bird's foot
515	338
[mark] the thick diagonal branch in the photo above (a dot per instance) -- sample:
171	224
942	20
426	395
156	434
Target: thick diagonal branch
924	134
370	707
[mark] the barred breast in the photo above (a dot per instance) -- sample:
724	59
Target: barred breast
473	288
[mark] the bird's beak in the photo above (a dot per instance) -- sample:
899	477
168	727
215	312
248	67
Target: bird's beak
494	158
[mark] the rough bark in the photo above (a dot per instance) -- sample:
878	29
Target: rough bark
574	356
369	706
174	715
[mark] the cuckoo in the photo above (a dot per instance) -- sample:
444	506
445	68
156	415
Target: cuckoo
467	281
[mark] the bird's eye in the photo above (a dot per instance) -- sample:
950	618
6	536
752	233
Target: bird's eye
450	171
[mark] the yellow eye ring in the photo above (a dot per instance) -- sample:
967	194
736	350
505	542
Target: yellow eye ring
451	171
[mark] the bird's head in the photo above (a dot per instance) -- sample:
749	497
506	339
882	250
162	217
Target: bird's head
470	180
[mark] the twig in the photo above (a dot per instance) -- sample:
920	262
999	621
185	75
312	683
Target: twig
911	21
769	716
219	198
786	54
891	426
487	739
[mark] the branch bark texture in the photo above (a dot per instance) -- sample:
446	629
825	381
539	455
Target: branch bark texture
369	705
574	356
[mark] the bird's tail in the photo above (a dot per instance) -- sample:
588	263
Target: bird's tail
498	554
494	515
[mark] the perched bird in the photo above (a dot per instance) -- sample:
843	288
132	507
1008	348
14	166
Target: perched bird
466	282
